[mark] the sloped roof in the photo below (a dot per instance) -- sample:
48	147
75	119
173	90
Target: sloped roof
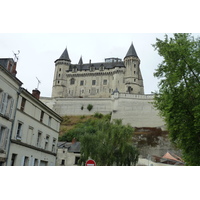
131	52
80	61
75	147
172	157
65	55
97	66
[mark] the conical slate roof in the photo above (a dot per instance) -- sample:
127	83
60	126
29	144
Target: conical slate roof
65	55
80	61
131	52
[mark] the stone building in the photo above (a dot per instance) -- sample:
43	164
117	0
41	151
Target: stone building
28	128
9	87
97	80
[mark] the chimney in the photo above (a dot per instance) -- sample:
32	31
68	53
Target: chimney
36	93
74	141
14	72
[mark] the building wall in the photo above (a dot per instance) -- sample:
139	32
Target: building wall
68	158
136	110
9	87
35	135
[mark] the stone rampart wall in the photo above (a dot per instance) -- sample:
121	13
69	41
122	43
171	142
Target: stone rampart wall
136	110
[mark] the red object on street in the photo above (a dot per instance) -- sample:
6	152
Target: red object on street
90	163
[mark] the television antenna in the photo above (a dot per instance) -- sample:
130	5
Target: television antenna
38	83
16	57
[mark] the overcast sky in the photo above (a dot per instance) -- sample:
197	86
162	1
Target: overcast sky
39	51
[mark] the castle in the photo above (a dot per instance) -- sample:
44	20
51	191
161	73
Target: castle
97	80
113	86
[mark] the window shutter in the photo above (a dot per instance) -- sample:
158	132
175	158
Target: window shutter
3	103
22	162
6	138
11	108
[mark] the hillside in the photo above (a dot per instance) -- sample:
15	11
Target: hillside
69	122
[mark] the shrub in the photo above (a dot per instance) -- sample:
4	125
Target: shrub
89	107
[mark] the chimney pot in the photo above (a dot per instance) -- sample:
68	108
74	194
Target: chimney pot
36	93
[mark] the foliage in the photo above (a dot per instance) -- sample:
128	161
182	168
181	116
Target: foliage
81	127
110	144
98	115
89	107
178	98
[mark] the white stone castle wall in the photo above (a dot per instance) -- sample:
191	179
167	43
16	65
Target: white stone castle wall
135	110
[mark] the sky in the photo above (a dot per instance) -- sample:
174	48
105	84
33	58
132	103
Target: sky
38	51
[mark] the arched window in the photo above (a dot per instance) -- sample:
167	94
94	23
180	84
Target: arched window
72	81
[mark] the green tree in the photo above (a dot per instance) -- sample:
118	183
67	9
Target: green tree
111	144
178	98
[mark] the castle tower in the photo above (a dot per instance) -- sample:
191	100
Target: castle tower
133	77
61	67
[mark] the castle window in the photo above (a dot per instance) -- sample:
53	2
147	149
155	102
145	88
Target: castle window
101	67
135	65
134	80
72	81
93	82
81	82
92	68
60	69
105	82
134	72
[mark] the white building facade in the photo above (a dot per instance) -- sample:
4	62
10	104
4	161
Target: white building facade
9	87
28	128
35	133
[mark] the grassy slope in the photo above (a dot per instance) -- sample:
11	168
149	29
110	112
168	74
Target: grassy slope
70	121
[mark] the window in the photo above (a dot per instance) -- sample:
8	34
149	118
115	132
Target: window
76	160
19	130
39	139
54	145
135	65
72	81
93	82
23	104
105	82
36	162
92	68
81	82
6	104
26	161
62	162
3	137
101	68
46	142
13	159
49	123
134	72
41	116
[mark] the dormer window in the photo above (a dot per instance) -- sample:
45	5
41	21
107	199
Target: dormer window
92	68
101	68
